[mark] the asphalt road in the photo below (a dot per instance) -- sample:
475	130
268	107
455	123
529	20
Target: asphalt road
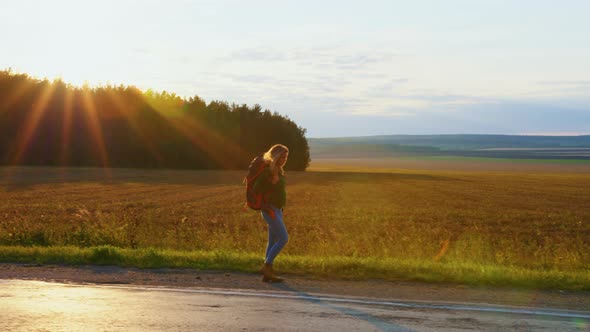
46	306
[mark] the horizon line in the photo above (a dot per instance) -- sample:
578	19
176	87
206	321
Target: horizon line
520	135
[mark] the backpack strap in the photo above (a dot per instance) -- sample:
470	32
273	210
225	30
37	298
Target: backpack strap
261	168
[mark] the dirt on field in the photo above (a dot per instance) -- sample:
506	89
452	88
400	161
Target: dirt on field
383	290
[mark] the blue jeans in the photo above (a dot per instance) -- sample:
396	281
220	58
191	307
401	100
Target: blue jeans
277	234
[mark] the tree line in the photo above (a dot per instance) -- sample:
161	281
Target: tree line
46	122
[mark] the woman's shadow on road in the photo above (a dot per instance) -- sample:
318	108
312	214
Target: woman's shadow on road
375	321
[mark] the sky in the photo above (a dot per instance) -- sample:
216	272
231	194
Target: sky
336	68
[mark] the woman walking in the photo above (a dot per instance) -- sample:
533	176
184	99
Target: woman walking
272	181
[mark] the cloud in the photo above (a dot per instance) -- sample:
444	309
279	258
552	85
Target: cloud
331	104
564	87
329	56
255	79
566	83
390	112
332	89
450	101
279	86
258	55
500	117
142	50
359	60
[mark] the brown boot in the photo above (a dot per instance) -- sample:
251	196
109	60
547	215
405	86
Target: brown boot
268	274
266	270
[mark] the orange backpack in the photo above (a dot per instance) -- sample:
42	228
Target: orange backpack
254	200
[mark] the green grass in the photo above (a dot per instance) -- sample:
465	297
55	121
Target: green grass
518	229
355	268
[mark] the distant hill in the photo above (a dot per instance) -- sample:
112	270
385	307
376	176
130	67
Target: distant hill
497	146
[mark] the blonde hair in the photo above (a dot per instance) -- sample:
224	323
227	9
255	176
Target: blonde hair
272	156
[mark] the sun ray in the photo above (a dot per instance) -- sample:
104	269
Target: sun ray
31	122
94	126
17	93
66	129
125	112
220	149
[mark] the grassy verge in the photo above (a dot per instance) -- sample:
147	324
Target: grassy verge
342	267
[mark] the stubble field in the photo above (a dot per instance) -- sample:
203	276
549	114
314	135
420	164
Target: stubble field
514	228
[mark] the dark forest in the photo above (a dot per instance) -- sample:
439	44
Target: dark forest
52	123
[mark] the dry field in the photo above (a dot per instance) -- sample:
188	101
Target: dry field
450	163
531	220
